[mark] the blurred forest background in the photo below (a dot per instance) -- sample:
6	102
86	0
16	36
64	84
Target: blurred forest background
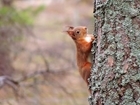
37	59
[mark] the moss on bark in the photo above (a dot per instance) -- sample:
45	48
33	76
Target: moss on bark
116	72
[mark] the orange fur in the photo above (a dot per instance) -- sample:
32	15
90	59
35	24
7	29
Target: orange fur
83	45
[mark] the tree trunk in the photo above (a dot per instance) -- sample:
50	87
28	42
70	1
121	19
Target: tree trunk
5	62
115	78
6	35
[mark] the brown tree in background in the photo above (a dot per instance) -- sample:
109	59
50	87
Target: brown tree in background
6	2
5	36
115	78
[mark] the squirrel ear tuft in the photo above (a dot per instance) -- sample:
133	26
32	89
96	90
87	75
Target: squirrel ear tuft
70	27
70	32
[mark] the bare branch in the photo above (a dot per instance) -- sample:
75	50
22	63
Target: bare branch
9	81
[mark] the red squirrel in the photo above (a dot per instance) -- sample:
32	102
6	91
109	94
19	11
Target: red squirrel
83	42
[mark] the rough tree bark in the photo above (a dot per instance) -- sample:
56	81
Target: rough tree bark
115	78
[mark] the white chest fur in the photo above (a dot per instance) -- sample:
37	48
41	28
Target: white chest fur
88	39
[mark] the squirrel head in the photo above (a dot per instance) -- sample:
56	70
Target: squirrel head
77	32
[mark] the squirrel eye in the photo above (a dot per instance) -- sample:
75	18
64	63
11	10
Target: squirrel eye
77	32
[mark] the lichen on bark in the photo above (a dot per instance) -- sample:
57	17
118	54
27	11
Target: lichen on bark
115	77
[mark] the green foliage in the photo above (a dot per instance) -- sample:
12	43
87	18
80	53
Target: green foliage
37	10
10	15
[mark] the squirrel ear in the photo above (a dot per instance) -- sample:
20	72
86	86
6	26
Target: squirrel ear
70	32
70	27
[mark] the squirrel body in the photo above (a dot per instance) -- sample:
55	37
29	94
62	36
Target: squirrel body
83	43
